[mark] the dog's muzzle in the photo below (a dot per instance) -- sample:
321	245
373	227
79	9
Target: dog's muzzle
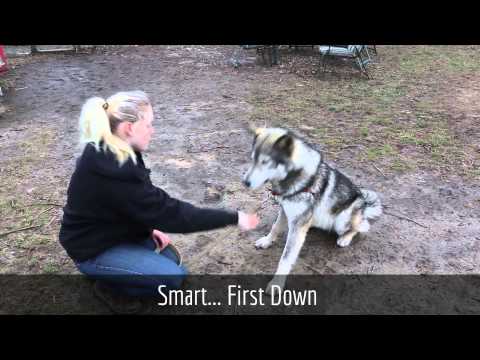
246	179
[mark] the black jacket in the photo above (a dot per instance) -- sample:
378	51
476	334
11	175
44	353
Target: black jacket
108	204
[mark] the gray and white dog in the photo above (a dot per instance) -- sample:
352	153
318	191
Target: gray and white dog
311	194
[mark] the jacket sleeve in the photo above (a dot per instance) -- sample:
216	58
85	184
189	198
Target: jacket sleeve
155	209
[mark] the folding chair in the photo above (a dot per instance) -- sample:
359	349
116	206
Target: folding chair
358	53
270	50
298	46
373	48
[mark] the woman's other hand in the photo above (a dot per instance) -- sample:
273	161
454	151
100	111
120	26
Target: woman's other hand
161	239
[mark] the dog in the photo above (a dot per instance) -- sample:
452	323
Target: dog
311	193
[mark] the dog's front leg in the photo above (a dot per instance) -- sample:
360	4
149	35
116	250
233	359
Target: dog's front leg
277	228
297	232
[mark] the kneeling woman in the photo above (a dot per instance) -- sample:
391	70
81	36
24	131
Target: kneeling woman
114	218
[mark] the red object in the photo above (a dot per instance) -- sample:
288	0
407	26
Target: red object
3	60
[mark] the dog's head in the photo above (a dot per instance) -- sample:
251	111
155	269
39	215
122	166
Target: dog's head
271	156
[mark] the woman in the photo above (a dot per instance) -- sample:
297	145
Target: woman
114	216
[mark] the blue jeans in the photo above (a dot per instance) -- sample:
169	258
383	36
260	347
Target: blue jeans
135	269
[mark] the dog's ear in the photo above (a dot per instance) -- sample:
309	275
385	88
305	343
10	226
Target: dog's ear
258	131
284	144
251	128
255	131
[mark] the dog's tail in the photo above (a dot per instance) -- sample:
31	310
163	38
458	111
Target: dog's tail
373	206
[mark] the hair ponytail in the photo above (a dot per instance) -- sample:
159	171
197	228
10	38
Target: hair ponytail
95	127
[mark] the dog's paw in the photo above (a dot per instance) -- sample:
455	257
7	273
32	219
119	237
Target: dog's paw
343	242
263	242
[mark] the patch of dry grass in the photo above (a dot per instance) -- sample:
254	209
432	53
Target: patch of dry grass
22	207
397	119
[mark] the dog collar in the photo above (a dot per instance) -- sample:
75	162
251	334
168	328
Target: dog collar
274	193
307	189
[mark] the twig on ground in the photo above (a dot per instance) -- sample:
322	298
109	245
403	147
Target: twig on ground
349	146
50	222
330	152
28	227
208	150
44	211
223	262
380	171
405	218
36	217
311	267
44	204
18	230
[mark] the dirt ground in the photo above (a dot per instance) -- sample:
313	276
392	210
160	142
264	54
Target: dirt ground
410	133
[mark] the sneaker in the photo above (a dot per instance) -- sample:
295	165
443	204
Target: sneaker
118	304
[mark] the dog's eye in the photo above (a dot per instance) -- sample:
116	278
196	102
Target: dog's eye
264	162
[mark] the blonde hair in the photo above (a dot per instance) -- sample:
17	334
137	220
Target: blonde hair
100	118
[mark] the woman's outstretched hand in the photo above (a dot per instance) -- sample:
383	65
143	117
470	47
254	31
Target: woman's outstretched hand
161	239
247	221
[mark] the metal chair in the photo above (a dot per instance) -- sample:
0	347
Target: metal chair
270	51
299	46
358	53
373	48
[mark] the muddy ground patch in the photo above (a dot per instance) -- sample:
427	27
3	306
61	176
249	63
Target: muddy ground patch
410	133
